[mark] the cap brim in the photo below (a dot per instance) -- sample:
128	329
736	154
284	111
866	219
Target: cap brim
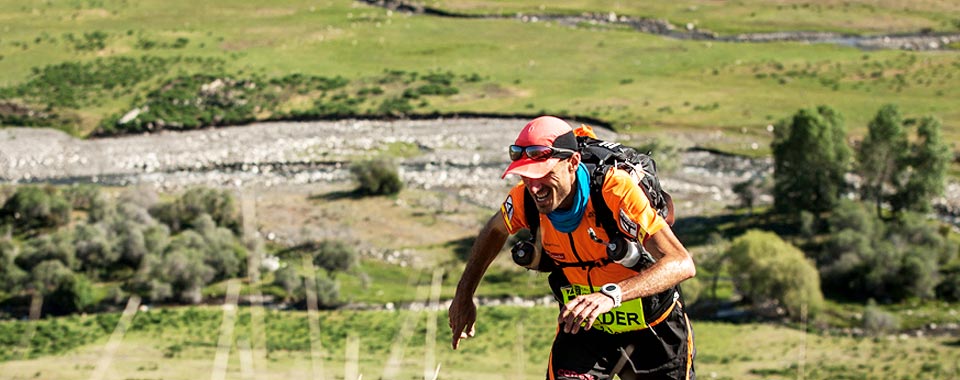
526	167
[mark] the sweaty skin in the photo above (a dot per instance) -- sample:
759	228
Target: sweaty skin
552	191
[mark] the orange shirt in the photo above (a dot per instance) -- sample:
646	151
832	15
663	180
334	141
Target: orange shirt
630	207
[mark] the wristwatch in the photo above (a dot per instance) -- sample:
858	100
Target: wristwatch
613	291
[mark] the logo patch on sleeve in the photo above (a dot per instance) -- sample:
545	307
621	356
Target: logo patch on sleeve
628	225
508	207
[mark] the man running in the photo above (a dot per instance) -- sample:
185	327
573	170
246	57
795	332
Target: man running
614	319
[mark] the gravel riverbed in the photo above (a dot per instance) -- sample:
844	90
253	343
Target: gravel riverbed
462	156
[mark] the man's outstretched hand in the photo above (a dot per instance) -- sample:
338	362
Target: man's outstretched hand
584	311
463	318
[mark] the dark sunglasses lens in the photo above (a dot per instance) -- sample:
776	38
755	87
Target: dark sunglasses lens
515	152
539	152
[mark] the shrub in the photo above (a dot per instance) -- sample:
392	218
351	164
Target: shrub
768	269
395	106
287	278
376	177
878	322
334	256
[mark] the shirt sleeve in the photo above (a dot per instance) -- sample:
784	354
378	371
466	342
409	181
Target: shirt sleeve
512	209
630	206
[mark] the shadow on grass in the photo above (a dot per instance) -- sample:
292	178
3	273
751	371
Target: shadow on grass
461	247
697	230
955	343
337	195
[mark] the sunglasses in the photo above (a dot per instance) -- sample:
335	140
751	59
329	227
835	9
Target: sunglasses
536	152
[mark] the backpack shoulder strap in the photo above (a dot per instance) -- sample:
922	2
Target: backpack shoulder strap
530	214
601	209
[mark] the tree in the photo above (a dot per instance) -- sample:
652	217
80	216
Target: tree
222	251
56	247
924	176
94	249
11	276
865	258
810	160
33	208
881	154
768	269
181	213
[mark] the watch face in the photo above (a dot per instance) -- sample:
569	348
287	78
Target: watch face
610	288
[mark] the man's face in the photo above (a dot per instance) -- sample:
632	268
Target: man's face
552	191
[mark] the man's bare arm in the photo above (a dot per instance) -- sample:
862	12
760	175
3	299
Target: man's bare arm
463	311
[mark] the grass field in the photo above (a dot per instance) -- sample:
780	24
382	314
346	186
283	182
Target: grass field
637	82
726	17
511	343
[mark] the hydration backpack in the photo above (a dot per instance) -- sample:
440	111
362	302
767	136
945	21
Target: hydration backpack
599	157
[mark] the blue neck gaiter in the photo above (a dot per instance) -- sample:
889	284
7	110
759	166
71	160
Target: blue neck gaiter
566	221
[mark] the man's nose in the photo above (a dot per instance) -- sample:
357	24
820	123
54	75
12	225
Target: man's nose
534	185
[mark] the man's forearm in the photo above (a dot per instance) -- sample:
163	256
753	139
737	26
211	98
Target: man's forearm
484	251
673	266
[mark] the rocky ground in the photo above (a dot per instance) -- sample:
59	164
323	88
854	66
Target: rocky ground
462	158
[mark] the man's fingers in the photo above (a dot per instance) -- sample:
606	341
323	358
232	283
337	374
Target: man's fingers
462	332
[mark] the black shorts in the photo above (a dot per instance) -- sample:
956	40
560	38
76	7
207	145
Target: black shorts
664	351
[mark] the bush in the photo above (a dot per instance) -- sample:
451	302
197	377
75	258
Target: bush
335	256
395	107
376	177
767	269
878	322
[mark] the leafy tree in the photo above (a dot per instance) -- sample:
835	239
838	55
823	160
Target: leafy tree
33	208
73	294
881	154
768	269
182	212
11	276
864	258
94	249
183	267
48	275
222	251
54	247
926	171
810	160
376	177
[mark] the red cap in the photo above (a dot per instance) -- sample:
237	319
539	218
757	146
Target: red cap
543	130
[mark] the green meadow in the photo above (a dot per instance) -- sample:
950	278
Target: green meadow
511	343
635	82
